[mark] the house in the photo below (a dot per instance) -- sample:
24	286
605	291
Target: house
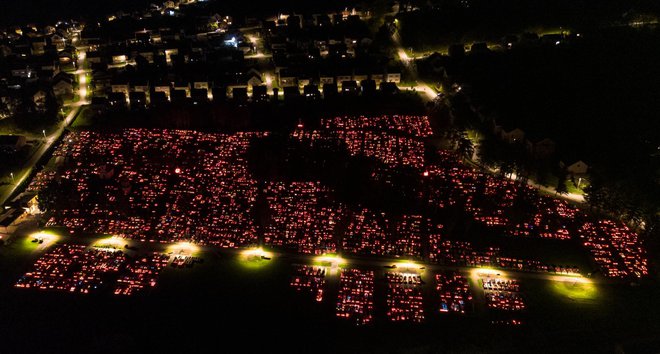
39	98
38	47
456	50
201	85
577	168
344	77
287	79
46	65
359	77
260	93
368	87
377	78
169	53
479	48
120	86
5	51
329	90
117	100
388	88
65	57
254	78
311	92
182	86
94	57
63	86
199	95
239	94
394	77
119	59
58	42
164	88
101	80
349	87
179	96
7	222
138	100
325	79
219	93
23	71
148	56
302	82
512	136
541	149
158	98
291	93
140	85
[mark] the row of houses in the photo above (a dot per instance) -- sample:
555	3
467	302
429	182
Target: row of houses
140	97
539	148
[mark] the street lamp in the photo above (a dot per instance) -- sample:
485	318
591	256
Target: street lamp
44	133
12	176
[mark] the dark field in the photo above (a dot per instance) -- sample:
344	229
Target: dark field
224	303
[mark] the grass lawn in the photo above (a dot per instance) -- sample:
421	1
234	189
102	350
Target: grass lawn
85	119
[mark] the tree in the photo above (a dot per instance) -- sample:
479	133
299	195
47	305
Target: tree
465	147
561	188
48	196
490	151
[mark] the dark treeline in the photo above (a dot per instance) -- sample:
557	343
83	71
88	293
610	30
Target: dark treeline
596	97
468	20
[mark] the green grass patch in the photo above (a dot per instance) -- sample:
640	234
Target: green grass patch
86	118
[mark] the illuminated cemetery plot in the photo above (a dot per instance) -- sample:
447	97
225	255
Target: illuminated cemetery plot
309	279
303	217
502	293
355	302
72	268
393	140
142	273
156	185
404	297
454	292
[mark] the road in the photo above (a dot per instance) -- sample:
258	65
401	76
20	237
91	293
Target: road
577	198
385	263
48	143
429	94
50	139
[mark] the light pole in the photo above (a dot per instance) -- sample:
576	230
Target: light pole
44	133
12	176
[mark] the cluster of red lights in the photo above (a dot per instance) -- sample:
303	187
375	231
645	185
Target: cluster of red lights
171	185
366	233
492	201
142	274
72	268
309	279
417	126
454	292
395	141
615	248
462	253
503	294
159	185
355	301
404	297
376	234
303	217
